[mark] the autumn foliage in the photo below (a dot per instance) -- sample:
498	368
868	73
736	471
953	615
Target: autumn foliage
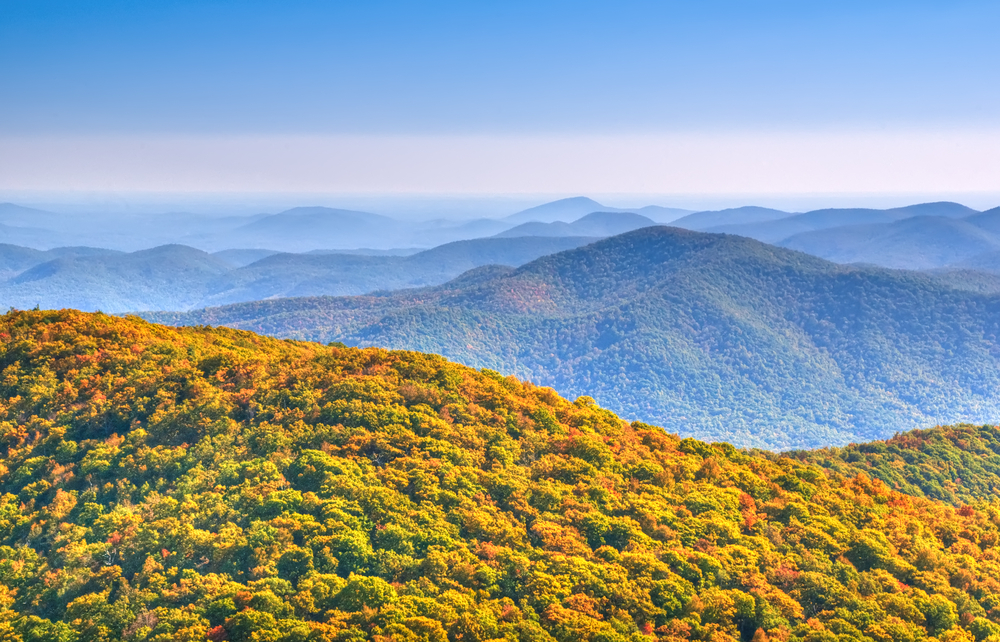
211	484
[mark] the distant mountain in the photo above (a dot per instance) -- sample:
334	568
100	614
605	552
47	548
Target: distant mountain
595	224
434	233
921	242
307	228
300	229
733	216
572	209
15	259
41	229
239	258
30	217
567	209
777	230
662	214
987	262
347	274
711	335
172	275
988	220
296	230
30	236
367	251
176	277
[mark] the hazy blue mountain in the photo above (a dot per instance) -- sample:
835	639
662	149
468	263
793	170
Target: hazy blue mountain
777	230
171	275
566	209
239	258
30	236
595	224
920	242
663	215
295	230
712	335
367	251
971	280
732	216
347	274
29	217
301	229
988	220
434	233
15	259
307	228
985	262
571	209
176	277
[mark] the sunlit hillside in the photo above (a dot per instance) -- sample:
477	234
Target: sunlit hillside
192	484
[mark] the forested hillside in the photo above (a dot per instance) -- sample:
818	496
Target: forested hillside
210	484
715	336
957	464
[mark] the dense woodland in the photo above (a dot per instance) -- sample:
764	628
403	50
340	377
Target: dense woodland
211	484
956	464
717	336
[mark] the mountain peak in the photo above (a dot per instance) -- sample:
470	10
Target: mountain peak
565	209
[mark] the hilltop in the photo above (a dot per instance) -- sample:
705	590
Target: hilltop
710	335
195	483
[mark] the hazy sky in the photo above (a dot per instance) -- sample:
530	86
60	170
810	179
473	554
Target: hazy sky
501	97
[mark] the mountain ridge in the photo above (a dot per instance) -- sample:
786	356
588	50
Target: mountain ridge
176	276
710	335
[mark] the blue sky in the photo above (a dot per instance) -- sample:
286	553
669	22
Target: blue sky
503	69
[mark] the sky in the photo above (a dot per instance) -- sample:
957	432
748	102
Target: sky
731	99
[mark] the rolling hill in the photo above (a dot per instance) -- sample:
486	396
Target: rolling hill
595	224
701	221
15	259
921	242
306	228
571	209
715	336
208	484
171	275
566	209
986	262
773	231
177	277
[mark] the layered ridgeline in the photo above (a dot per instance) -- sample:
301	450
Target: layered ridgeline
710	335
176	277
924	236
192	484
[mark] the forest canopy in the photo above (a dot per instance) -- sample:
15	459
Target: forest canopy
211	484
